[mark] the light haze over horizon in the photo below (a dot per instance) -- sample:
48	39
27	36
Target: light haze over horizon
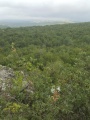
73	10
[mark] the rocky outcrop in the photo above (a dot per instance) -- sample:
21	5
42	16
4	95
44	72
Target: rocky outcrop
6	73
6	76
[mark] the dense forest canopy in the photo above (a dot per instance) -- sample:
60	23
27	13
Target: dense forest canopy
52	56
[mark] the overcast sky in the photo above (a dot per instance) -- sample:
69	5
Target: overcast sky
74	10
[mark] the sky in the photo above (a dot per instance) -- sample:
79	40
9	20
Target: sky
73	10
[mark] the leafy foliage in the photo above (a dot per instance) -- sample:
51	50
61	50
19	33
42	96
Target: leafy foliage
56	55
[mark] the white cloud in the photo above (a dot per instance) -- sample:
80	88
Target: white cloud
69	9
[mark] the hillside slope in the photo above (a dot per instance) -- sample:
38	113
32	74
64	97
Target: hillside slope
56	60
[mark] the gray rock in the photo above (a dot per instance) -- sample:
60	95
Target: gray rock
6	76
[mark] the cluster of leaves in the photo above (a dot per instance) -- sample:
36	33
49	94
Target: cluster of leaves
56	55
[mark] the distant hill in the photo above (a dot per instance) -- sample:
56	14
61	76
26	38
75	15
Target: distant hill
23	23
3	26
